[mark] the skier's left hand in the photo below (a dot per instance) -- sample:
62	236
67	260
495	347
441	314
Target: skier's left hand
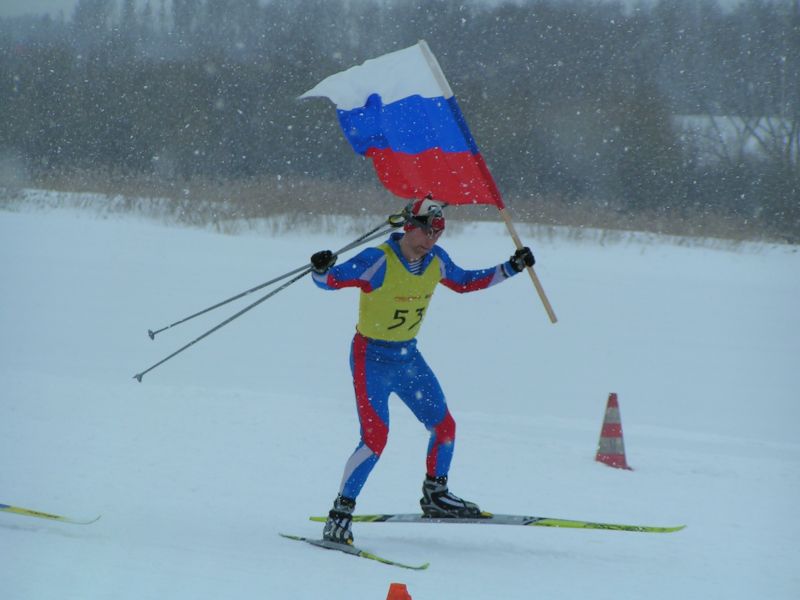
522	258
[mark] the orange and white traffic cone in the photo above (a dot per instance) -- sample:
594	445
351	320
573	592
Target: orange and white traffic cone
398	591
611	449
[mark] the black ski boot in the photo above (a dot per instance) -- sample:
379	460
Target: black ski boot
340	518
438	502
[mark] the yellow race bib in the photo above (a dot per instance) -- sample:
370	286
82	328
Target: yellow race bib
394	311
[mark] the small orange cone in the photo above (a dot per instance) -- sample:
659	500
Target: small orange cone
611	449
398	591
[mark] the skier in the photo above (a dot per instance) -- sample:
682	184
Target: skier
397	280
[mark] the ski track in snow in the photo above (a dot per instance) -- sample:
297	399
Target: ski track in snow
244	435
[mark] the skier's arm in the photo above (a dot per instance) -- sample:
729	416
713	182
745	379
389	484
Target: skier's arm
365	271
471	280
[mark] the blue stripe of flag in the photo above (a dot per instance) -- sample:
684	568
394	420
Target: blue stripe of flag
411	125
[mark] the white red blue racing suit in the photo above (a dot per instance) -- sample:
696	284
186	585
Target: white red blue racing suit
384	357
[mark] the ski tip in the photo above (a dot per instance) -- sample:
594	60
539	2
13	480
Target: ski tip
90	521
138	377
657	529
71	520
421	567
28	512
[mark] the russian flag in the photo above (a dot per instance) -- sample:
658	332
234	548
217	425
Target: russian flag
399	110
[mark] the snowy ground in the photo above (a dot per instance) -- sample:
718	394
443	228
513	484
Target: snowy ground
198	468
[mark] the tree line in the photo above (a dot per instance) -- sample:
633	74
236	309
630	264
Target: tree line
569	100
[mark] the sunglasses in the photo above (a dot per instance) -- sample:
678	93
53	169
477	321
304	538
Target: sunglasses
432	224
433	220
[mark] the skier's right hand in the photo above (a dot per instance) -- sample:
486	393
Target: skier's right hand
322	261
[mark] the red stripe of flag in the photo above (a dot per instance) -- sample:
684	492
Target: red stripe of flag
457	177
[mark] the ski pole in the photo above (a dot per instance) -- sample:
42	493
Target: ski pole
369	236
138	376
393	220
153	334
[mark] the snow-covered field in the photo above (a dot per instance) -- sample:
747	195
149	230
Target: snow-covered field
197	469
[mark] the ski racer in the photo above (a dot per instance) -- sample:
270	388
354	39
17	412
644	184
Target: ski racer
397	280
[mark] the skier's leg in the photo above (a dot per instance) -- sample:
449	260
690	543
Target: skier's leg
372	387
423	395
370	382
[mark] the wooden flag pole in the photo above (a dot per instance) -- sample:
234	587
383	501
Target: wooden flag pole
534	278
447	92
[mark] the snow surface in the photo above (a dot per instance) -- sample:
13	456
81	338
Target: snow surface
197	469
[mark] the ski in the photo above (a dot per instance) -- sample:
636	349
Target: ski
493	519
27	512
353	550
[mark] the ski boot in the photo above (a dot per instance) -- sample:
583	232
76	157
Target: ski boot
438	502
340	518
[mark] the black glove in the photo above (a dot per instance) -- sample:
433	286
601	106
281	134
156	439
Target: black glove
522	258
322	261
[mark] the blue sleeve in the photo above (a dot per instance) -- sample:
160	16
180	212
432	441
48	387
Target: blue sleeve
365	271
464	280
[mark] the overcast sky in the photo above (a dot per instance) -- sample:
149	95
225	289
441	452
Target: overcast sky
9	8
